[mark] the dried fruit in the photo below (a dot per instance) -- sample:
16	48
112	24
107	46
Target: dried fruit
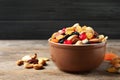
110	56
85	33
89	35
67	42
59	37
54	40
82	36
69	30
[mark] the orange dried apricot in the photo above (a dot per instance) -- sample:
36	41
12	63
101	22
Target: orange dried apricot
110	56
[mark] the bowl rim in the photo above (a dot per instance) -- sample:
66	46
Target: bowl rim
95	44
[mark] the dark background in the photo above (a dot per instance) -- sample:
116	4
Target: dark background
38	19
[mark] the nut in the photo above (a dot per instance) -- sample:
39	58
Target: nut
28	65
26	58
94	40
112	70
116	62
34	56
101	37
78	43
85	41
19	62
41	61
105	39
44	58
38	66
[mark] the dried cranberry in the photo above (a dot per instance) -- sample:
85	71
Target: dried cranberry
83	36
67	42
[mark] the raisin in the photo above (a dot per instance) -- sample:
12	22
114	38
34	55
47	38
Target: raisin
61	41
75	33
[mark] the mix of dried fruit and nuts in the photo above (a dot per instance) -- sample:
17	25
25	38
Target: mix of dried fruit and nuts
114	62
32	62
77	35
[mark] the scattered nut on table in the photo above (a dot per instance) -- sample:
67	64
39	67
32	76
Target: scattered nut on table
32	62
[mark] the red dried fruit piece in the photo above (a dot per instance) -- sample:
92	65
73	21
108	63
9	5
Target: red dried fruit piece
63	29
110	56
83	36
67	42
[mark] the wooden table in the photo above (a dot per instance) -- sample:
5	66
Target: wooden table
12	50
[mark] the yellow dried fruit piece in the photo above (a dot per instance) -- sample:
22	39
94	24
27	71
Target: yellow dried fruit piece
90	29
54	35
89	35
69	30
78	29
59	37
83	29
112	69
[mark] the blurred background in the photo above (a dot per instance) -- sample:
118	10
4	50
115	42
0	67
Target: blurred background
38	19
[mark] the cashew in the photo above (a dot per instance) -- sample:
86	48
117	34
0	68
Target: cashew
26	58
78	43
85	41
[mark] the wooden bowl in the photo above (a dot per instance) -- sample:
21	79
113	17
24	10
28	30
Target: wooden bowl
77	58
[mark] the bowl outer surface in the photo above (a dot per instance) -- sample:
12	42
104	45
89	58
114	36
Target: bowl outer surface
77	58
